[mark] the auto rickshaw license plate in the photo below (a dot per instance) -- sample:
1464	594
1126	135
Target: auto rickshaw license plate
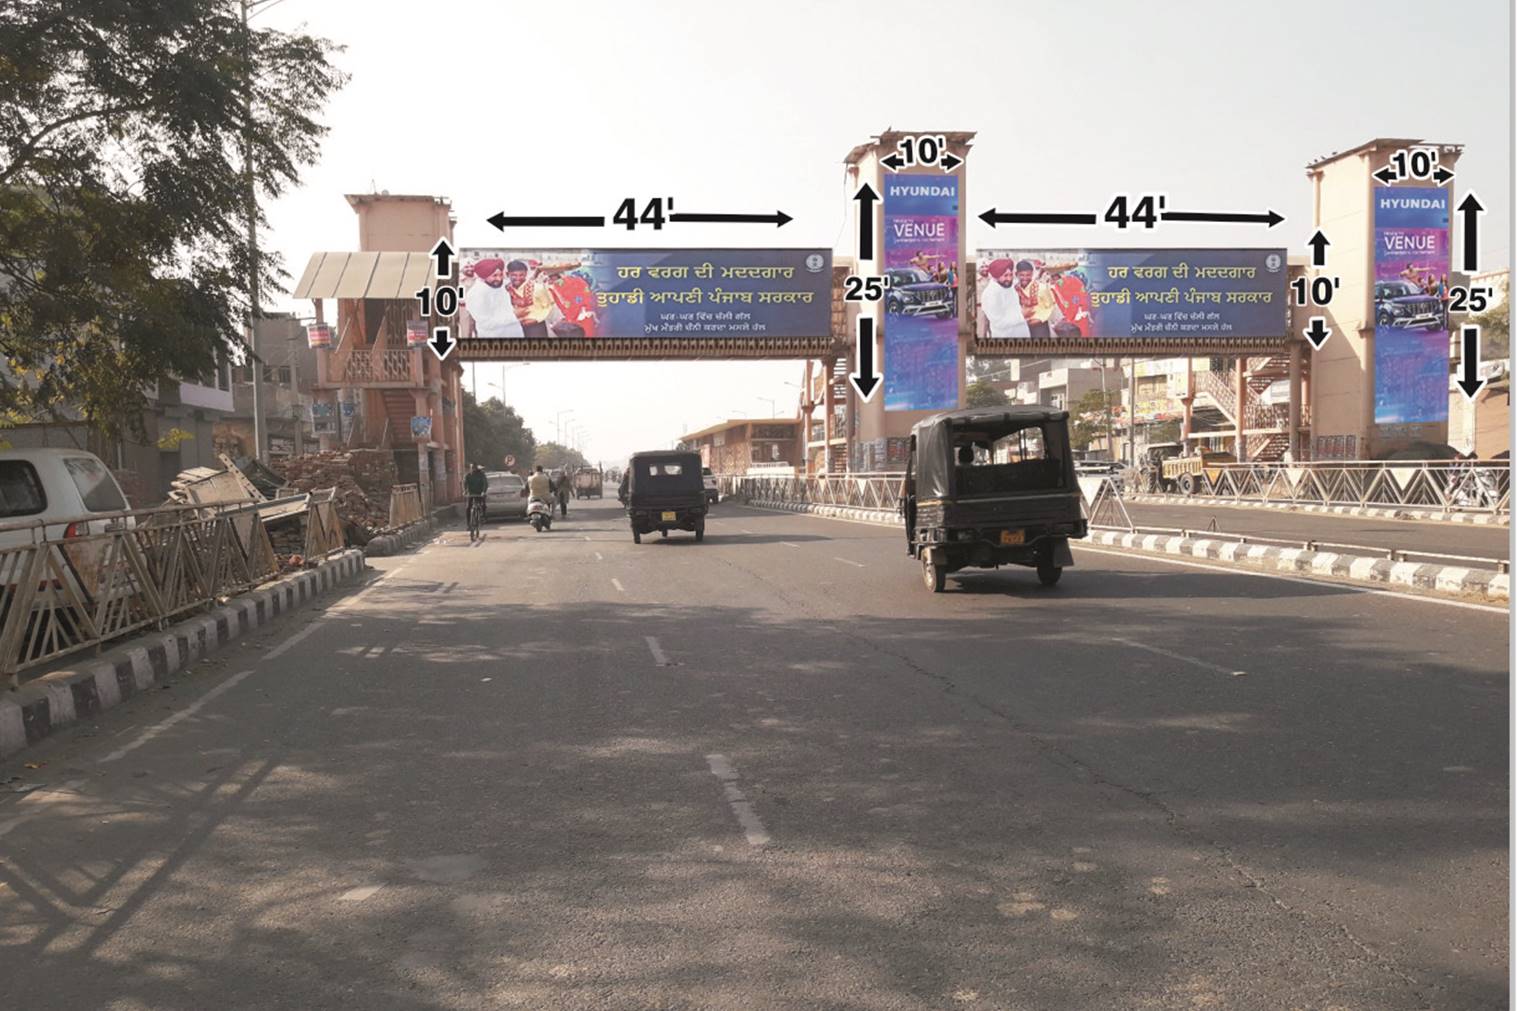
668	517
1013	536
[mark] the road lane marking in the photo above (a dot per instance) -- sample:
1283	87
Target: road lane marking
789	545
587	537
359	894
753	829
658	654
618	584
846	561
1241	571
183	714
599	557
1195	661
292	640
745	530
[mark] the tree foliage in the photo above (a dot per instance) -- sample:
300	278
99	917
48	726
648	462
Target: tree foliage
1496	325
1090	418
552	456
493	431
123	246
983	394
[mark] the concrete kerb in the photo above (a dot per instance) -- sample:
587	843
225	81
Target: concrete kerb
1445	580
60	697
389	544
1368	512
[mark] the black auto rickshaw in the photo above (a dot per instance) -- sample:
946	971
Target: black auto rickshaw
992	486
664	493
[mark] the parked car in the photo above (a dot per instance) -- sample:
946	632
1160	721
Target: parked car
708	481
64	488
503	496
913	293
1402	304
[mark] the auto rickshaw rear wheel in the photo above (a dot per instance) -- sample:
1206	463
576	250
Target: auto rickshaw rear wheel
700	533
1048	572
637	538
933	576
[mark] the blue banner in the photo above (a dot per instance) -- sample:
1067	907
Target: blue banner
1411	305
1131	293
922	299
626	293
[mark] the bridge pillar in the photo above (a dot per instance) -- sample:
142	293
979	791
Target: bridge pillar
1240	405
1293	412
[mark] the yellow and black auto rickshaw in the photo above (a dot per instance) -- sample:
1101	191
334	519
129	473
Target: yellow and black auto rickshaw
992	486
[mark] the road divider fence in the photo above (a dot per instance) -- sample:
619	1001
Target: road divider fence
1448	487
67	585
406	506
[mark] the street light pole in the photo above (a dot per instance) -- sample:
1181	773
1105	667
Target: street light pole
260	436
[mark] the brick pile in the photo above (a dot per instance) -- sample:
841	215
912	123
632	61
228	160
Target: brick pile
363	479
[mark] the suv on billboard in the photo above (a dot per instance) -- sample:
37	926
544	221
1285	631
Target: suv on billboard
913	293
1403	304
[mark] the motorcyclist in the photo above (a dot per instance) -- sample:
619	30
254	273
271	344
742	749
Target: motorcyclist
540	486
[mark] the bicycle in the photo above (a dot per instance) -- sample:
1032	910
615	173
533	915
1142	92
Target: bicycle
476	515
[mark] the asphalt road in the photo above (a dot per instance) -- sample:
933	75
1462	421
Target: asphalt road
771	771
1410	535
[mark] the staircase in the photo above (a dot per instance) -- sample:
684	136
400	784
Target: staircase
837	456
399	406
1216	395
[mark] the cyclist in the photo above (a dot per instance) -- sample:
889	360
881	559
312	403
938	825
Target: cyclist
475	484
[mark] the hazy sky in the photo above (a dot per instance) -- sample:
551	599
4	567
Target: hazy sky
567	108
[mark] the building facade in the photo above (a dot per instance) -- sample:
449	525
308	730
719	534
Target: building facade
376	385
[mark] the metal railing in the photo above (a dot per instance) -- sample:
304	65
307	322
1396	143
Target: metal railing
133	570
1473	486
405	505
858	491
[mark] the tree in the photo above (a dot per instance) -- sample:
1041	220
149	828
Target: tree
982	394
1090	419
493	431
552	456
123	202
1496	325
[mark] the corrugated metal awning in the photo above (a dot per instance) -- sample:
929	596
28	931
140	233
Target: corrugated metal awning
363	275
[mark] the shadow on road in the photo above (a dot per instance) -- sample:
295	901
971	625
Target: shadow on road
1006	806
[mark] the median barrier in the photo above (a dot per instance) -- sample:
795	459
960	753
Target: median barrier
58	698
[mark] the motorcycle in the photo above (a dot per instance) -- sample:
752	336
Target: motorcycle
540	515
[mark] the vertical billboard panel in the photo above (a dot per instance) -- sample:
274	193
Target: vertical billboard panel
921	302
1410	305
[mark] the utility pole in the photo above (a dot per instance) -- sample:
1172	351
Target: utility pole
1132	413
260	435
